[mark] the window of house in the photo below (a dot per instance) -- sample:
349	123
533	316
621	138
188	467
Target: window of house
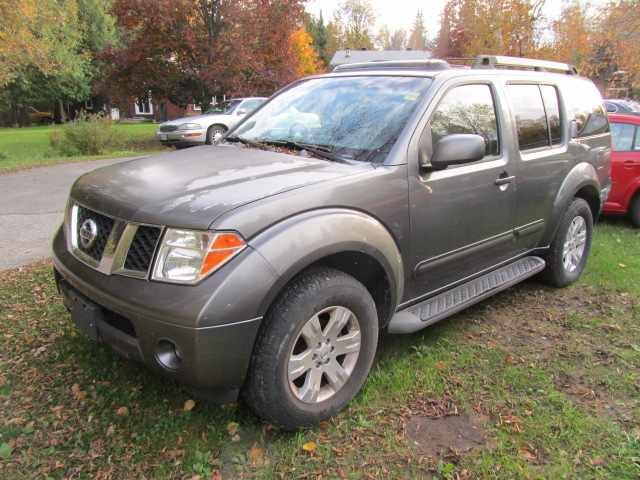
622	137
88	104
552	109
144	106
467	109
531	119
196	108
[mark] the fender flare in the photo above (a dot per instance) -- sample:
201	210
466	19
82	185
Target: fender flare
297	242
580	176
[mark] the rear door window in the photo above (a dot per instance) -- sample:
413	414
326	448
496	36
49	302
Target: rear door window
531	119
622	137
636	143
586	108
467	109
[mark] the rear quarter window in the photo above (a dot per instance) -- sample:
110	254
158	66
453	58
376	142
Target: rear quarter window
586	108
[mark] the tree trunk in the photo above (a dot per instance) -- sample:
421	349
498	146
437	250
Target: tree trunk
63	114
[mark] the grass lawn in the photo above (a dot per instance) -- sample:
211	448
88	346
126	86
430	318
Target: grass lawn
29	147
533	383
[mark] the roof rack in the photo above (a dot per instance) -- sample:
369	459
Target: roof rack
498	61
427	64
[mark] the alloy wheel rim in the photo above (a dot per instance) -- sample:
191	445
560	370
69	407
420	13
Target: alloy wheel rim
216	134
574	244
324	354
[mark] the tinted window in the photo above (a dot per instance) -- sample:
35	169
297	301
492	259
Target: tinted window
585	107
552	108
636	144
467	109
530	116
622	136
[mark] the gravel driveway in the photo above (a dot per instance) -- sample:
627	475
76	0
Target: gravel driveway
31	208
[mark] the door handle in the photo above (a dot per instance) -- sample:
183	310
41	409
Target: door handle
629	164
505	180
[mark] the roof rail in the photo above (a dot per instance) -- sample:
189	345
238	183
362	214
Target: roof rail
499	61
427	64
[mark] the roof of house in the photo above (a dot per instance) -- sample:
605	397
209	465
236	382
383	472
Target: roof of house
342	57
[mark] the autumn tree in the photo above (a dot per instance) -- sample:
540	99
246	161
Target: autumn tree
308	60
418	36
356	19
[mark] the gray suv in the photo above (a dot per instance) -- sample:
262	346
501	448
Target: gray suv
381	196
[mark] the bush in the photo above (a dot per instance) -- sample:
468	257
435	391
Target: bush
87	135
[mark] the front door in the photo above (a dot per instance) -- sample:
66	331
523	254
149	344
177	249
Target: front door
462	217
625	164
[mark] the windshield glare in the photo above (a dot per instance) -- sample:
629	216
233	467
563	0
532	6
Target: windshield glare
224	107
357	118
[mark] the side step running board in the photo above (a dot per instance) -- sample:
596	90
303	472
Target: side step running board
441	306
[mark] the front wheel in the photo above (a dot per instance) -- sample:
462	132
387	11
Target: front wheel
570	248
315	350
215	133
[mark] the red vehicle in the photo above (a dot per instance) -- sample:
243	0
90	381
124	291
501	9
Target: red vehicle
625	167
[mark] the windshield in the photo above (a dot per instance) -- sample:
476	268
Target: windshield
224	107
356	118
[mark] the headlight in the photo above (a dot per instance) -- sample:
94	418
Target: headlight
190	126
187	256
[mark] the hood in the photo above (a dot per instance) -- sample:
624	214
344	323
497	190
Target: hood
191	188
207	118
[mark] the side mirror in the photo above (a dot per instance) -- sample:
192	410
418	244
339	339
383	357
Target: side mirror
573	129
457	149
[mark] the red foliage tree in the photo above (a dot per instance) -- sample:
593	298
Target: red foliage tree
186	51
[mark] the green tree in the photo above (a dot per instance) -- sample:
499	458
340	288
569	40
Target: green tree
316	27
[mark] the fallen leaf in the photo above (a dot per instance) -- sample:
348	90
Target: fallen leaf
111	430
216	475
527	454
122	412
440	365
622	265
596	462
188	405
232	428
324	425
5	451
309	446
256	454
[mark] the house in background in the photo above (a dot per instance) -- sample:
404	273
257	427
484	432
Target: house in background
342	57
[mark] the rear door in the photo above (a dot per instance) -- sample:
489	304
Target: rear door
625	164
542	158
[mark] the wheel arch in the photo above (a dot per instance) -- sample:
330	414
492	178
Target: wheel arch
343	239
581	182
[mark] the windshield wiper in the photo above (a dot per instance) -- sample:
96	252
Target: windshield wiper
245	141
321	151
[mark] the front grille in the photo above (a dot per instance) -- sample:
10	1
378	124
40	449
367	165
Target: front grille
104	226
142	247
168	128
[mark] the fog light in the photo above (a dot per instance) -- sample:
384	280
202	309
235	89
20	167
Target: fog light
168	355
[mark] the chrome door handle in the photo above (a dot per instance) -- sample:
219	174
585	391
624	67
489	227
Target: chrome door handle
505	180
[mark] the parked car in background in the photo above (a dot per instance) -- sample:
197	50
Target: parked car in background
381	196
622	106
209	127
625	167
37	116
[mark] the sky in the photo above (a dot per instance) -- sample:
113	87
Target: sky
401	13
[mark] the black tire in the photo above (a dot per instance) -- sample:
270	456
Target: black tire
267	390
213	131
634	210
555	273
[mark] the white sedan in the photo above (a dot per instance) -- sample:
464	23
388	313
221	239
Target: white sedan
211	126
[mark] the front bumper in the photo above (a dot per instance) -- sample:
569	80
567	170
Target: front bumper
182	137
213	325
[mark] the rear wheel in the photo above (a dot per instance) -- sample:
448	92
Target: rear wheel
315	351
215	133
634	211
570	248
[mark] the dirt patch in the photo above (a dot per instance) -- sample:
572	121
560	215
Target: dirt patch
442	436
